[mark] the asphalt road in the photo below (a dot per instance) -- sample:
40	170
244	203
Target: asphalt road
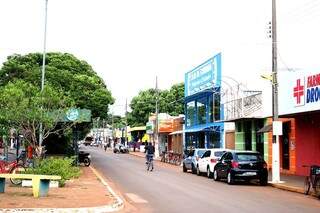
168	189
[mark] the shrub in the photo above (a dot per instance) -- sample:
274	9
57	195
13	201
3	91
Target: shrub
57	166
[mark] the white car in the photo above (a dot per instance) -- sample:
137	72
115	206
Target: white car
208	160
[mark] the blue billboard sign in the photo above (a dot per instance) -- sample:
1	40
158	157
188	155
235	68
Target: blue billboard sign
205	76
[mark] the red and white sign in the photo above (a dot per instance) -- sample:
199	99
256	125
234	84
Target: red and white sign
298	92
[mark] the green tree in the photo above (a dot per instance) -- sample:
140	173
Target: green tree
23	107
170	101
64	72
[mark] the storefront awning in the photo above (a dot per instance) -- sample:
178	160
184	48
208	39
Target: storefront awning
199	129
267	128
176	132
137	128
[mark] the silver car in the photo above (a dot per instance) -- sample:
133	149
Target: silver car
191	160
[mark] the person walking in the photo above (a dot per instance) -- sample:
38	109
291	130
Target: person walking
149	149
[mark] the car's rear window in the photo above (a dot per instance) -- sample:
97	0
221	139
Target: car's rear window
200	152
218	154
249	157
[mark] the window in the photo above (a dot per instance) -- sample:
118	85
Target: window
200	152
206	154
228	156
219	154
214	139
217	105
248	157
210	108
190	113
201	110
223	156
239	126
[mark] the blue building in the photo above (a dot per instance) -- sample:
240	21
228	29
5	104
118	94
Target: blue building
203	108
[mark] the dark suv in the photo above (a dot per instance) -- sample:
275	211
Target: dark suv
241	165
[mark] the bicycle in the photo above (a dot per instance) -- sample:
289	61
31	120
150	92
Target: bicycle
149	162
177	160
313	180
13	168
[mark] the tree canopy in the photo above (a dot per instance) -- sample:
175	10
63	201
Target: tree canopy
75	78
23	107
142	105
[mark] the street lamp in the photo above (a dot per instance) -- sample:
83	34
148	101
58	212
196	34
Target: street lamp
43	64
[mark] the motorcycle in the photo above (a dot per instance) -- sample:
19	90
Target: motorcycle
85	158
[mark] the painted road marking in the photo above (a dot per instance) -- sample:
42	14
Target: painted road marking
136	198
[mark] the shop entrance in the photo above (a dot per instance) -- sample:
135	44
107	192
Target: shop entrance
285	146
247	135
259	137
201	139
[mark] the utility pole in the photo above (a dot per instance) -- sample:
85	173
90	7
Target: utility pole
275	138
156	137
43	65
126	136
112	123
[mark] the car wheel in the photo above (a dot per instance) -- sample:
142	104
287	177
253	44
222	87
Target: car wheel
87	162
184	168
198	170
230	180
215	175
193	169
209	173
263	181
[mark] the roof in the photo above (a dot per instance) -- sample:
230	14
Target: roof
176	132
267	128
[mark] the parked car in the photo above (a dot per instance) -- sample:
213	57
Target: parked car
88	141
191	160
120	148
208	160
241	165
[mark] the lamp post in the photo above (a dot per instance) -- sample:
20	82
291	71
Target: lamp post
43	64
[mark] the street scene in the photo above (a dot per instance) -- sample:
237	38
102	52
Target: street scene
159	106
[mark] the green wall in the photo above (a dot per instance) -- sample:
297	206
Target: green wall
239	137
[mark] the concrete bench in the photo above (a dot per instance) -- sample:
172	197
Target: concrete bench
40	183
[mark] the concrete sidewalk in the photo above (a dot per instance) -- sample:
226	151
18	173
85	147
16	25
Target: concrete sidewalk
89	193
291	183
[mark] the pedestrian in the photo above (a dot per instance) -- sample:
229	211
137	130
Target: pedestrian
105	146
145	150
134	146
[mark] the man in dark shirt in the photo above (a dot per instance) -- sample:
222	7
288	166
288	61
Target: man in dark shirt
149	150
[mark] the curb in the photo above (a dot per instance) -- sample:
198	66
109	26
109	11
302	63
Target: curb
287	188
116	206
291	188
133	153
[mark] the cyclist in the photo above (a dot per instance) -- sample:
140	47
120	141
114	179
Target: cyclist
149	150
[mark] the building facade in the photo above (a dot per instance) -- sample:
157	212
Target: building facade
203	109
299	102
